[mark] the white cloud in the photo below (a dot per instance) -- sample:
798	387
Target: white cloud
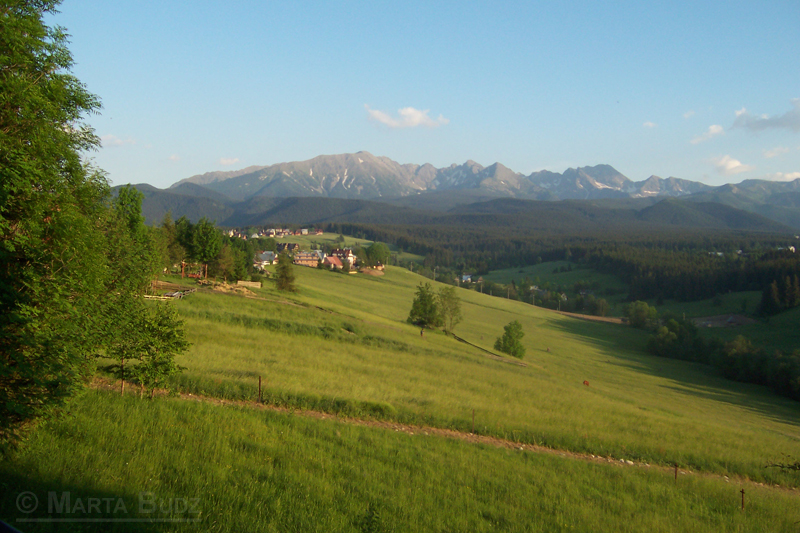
688	114
779	150
781	176
649	124
713	131
174	157
408	117
789	120
112	140
728	166
227	161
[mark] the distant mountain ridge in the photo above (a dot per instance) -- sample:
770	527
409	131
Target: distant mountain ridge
240	195
365	176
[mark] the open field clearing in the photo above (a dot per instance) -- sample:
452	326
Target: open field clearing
730	303
778	332
223	468
604	285
309	242
341	345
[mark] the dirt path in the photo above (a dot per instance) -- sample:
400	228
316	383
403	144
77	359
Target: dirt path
109	385
590	318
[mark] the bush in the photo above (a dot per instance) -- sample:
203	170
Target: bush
511	340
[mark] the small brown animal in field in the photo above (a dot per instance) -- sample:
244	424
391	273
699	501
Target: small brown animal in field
586	383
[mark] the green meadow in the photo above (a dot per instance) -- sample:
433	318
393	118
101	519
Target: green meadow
179	465
742	303
604	285
313	242
341	346
332	239
779	332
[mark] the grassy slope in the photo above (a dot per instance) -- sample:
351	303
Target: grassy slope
254	470
637	406
266	471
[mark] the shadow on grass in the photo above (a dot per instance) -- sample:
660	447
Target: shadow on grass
33	504
626	347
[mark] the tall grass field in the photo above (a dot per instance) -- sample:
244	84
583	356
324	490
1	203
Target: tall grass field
341	346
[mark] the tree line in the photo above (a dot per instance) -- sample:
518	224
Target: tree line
739	360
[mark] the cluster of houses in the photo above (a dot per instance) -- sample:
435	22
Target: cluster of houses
274	233
312	258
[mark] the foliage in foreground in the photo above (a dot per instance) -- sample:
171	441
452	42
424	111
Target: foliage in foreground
53	275
73	263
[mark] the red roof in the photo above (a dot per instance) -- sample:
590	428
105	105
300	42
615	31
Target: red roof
333	261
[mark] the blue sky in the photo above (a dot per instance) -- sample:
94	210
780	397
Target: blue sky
705	92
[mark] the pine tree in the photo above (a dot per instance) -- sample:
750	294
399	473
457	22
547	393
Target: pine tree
285	273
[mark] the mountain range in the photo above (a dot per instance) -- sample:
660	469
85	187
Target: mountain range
365	176
363	187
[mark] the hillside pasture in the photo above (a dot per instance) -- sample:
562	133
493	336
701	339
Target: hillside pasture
341	345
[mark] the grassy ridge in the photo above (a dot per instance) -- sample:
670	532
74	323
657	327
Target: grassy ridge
356	356
264	471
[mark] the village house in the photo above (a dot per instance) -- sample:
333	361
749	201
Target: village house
309	259
345	254
332	262
264	259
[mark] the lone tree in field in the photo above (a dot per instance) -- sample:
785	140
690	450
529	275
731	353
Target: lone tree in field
511	341
164	338
285	274
424	308
449	308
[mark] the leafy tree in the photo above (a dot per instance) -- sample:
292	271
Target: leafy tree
641	315
424	308
175	253
378	253
449	308
206	241
164	338
51	208
225	262
132	263
511	340
184	232
285	273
